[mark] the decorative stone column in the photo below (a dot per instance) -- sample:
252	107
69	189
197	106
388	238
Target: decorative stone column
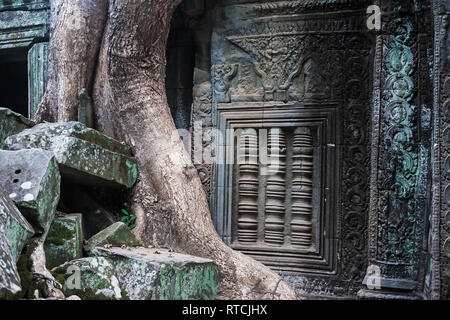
400	156
440	247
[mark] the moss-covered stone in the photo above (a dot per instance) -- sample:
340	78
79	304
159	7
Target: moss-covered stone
90	279
64	240
9	276
117	234
31	179
84	155
28	283
149	274
11	123
16	228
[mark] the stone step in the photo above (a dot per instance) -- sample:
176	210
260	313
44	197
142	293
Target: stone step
85	156
140	274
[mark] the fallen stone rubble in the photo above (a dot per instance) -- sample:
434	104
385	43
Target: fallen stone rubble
44	253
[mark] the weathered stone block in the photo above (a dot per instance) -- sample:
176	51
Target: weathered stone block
146	274
84	155
9	277
90	279
117	235
64	240
11	123
16	228
14	232
31	179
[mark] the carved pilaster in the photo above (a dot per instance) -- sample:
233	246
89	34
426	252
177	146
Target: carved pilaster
400	161
440	283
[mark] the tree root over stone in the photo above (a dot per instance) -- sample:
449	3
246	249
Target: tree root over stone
44	283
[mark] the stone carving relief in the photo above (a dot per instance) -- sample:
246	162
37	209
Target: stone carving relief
248	187
401	158
302	188
201	123
223	74
275	208
310	59
356	151
443	101
298	165
277	61
288	72
445	190
299	6
399	232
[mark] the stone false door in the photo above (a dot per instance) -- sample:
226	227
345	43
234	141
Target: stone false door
401	153
276	183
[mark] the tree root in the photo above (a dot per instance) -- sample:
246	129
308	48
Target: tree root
50	287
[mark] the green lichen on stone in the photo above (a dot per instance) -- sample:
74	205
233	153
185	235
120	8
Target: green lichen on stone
188	281
64	240
148	275
28	284
117	234
59	234
43	208
97	279
25	21
17	228
11	123
133	168
81	152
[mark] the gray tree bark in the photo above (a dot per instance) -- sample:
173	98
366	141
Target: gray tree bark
131	105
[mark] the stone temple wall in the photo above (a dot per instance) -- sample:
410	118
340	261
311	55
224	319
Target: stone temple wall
357	119
351	202
302	71
24	35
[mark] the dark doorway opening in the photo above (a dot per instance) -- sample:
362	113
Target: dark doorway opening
14	80
180	69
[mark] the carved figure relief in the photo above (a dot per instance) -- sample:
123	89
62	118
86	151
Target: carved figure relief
222	77
314	84
277	61
399	160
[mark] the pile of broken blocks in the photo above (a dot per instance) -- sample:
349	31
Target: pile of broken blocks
49	169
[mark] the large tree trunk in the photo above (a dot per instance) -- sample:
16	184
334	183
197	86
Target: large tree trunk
131	105
76	32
